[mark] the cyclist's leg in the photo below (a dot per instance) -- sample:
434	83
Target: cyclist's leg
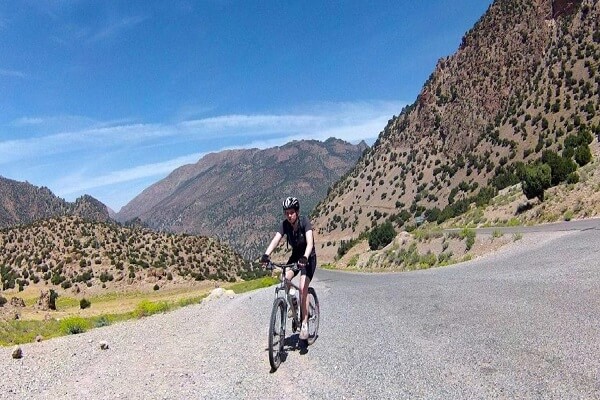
305	278
289	274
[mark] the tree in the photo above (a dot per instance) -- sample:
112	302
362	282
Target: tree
560	167
381	236
536	179
583	155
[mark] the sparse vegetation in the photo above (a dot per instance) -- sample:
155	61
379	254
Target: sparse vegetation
84	303
74	325
381	236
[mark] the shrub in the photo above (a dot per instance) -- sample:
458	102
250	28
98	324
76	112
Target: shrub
102	321
583	155
573	177
537	178
147	307
381	236
345	245
560	167
74	325
84	303
469	236
53	297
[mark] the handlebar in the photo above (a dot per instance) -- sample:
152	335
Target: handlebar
293	266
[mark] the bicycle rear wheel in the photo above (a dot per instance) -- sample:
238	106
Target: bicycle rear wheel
277	332
313	315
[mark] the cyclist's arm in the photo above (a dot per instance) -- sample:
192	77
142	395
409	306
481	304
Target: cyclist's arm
310	241
274	243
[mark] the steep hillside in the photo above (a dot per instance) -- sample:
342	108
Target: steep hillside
69	253
524	79
235	195
23	203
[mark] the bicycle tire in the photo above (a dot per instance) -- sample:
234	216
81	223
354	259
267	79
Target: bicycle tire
277	332
314	315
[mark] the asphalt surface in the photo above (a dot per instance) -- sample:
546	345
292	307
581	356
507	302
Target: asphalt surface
523	324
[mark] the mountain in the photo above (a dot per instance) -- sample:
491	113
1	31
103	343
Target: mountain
81	255
22	203
236	195
524	83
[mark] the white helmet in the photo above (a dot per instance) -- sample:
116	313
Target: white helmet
291	202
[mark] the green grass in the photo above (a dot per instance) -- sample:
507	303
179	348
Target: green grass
22	331
63	302
146	308
246	286
74	325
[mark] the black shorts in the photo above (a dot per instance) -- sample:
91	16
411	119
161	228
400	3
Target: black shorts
309	271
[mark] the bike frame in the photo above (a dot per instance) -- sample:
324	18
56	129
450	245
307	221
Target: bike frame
283	288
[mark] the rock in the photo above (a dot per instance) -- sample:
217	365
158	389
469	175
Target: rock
218	292
47	300
17	302
76	289
39	338
215	294
103	345
17	353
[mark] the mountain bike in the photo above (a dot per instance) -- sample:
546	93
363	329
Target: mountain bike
287	297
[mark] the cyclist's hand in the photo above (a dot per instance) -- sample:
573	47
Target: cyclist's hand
265	259
302	261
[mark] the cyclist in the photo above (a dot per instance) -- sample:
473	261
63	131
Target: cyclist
298	230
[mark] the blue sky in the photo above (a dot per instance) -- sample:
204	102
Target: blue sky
108	97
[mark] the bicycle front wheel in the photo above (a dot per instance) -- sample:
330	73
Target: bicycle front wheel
313	315
277	332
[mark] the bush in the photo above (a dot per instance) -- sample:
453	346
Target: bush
469	236
345	245
537	178
147	307
381	236
53	297
84	303
560	167
573	177
74	325
583	155
102	321
2	301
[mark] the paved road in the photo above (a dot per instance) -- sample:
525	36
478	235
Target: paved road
521	324
562	226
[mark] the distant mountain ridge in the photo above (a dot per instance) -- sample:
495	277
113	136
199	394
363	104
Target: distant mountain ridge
23	203
235	195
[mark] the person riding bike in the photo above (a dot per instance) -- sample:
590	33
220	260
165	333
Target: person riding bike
298	230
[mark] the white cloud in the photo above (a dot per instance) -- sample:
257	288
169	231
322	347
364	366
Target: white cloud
12	73
28	121
106	143
77	183
116	28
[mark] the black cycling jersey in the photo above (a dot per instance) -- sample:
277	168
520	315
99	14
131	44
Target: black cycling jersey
297	238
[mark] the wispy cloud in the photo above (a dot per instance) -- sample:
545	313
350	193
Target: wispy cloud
99	149
12	73
25	121
77	183
116	28
349	121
